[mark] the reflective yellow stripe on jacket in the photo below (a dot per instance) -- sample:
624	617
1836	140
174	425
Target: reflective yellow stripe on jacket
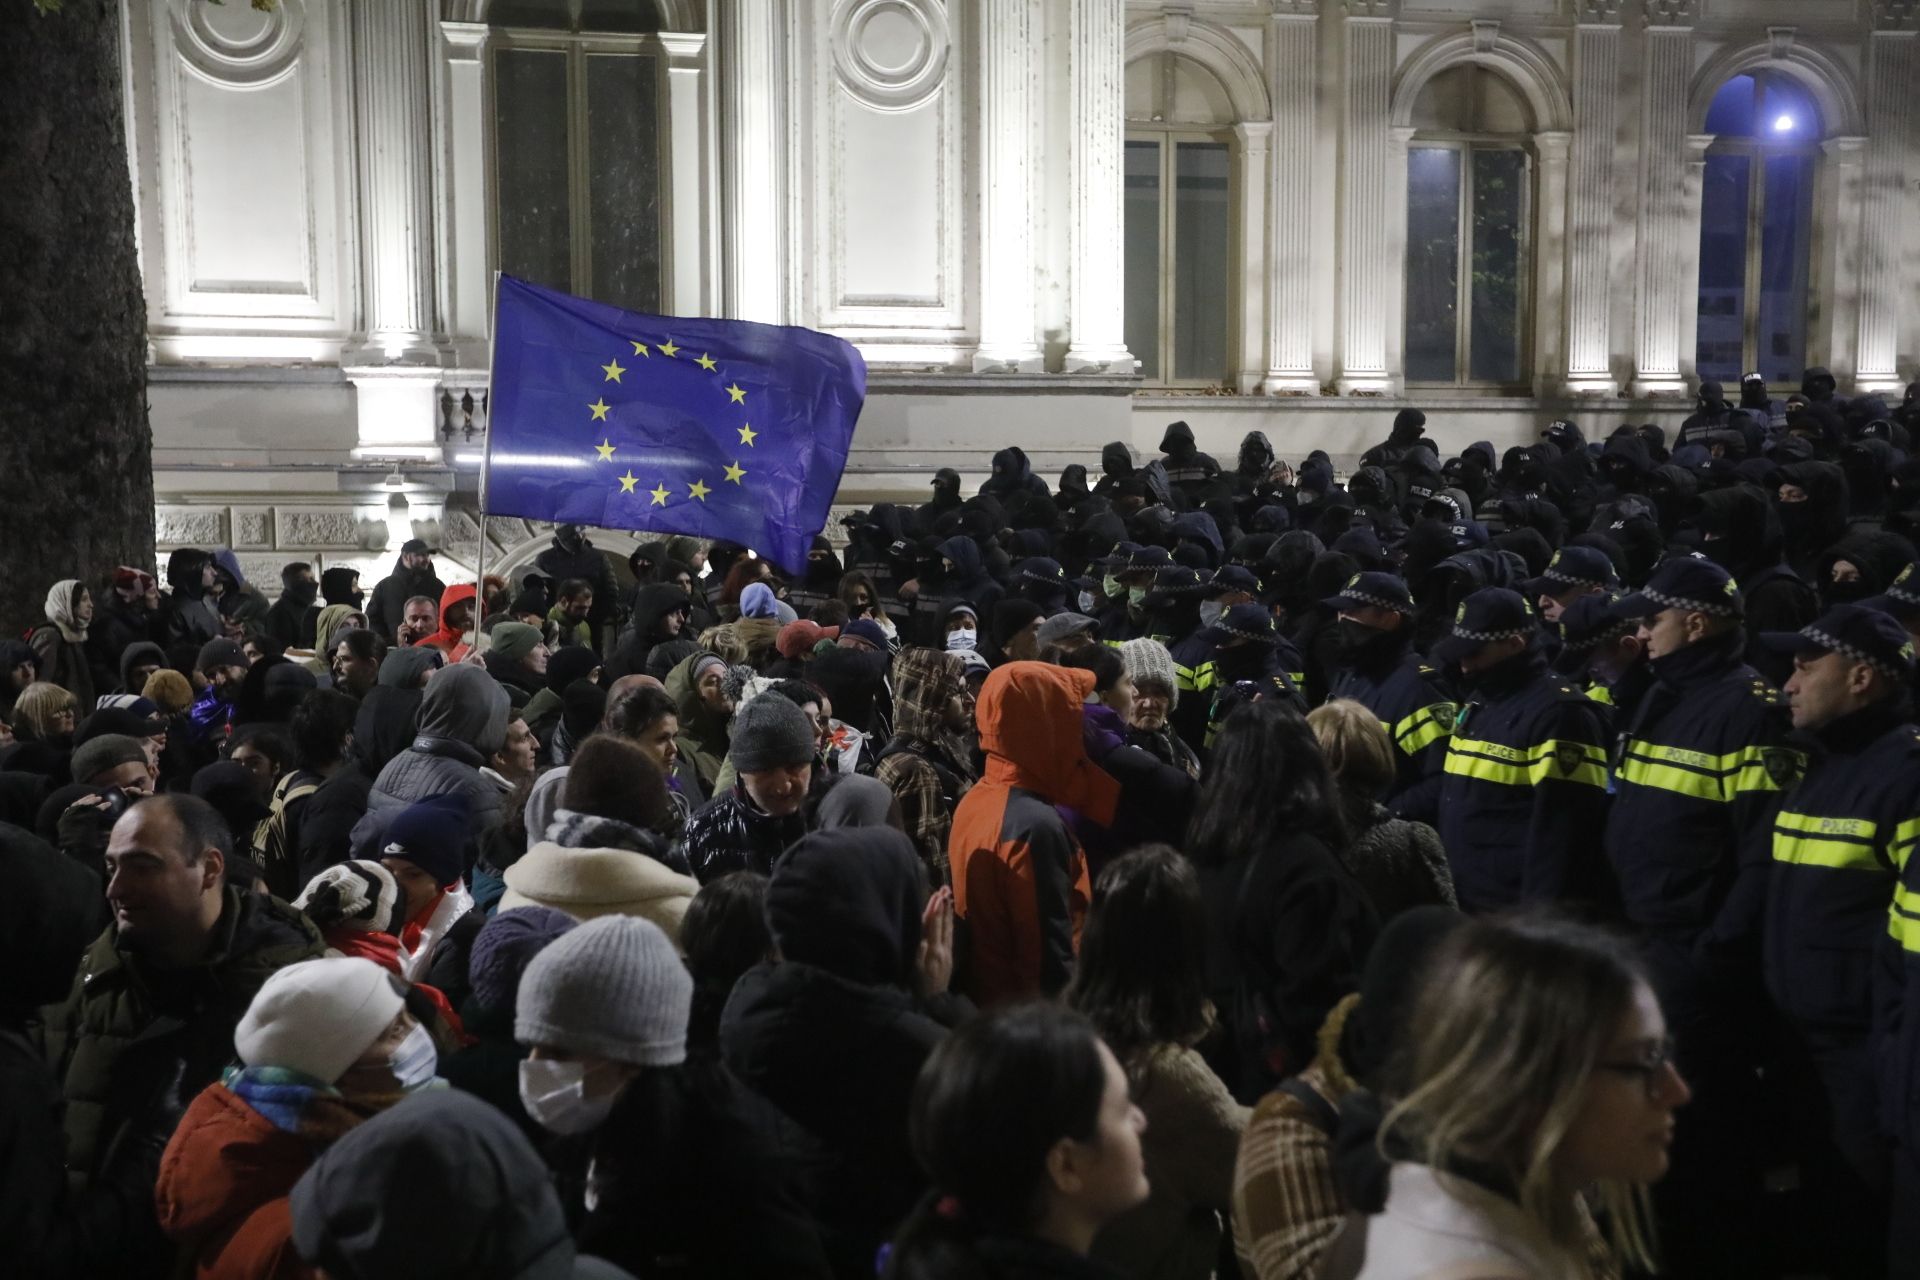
1903	918
1699	774
1601	694
1414	733
1905	836
1194	679
1844	844
1527	766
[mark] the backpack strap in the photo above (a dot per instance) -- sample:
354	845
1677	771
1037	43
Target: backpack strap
1322	1113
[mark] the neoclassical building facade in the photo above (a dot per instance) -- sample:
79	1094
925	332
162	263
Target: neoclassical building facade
1050	223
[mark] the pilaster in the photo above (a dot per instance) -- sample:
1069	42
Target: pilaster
1008	321
690	237
1366	284
1251	139
1840	193
1664	225
392	58
1292	70
1549	285
1590	202
1890	78
1097	84
752	40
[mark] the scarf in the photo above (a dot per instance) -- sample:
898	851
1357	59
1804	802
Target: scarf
60	602
294	1102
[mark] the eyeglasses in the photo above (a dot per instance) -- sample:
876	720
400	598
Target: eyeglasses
1650	1068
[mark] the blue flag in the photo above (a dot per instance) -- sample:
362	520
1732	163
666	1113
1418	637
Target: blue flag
715	428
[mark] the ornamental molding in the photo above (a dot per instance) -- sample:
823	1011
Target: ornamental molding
1895	15
1672	13
322	527
883	79
190	527
237	45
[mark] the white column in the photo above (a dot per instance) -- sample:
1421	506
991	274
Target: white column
1096	53
689	239
1367	276
1008	323
1549	285
1890	78
460	186
752	40
392	59
1292	63
1839	197
1664	226
1250	361
1590	207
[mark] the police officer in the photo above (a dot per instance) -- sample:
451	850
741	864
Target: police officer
1841	838
1134	577
1572	573
1378	668
1605	652
1698	774
1525	795
1247	660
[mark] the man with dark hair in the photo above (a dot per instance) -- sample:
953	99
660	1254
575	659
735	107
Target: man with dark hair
573	557
322	733
419	618
150	1018
412	578
569	615
290	620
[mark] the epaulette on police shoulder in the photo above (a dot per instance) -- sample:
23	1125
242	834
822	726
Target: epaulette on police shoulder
1426	670
1766	693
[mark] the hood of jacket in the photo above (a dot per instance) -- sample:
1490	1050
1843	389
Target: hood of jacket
229	563
1256	455
1745	532
653	603
402	668
1178	441
849	901
328	621
1030	726
1116	459
135	653
337	586
1817	383
454	595
1011	468
965	554
226	1162
1198	526
1878	556
466	705
183	570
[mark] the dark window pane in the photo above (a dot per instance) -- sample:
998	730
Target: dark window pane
1723	268
1143	256
1433	262
530	124
1785	232
1202	270
1731	112
1499	213
623	195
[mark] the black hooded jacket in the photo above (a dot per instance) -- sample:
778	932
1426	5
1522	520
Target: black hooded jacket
1188	469
387	606
1012	474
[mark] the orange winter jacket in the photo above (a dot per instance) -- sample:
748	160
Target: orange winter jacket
454	643
223	1188
1019	876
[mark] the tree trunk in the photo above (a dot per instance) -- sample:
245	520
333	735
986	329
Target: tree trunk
76	454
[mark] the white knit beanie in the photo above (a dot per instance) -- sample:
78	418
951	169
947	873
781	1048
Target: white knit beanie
318	1016
614	988
1148	659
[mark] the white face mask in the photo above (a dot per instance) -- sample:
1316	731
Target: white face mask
555	1095
965	638
1086	603
413	1064
1210	611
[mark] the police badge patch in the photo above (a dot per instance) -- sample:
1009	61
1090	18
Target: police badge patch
1782	765
1568	756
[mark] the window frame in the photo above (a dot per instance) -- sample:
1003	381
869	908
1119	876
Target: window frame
578	47
1467	144
1169	136
1757	150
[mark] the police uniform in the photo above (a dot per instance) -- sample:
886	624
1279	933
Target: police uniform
1698	773
1256	668
1412	698
1525	792
1841	840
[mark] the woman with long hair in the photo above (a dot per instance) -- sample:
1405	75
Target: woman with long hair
1400	863
1142	981
1288	926
1487	1179
1022	1121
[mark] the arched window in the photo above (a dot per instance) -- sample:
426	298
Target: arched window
1179	221
1469	227
1756	228
578	104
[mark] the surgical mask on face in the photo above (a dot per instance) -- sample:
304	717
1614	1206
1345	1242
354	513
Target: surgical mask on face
964	638
1086	602
1111	585
416	1060
555	1095
1210	611
1136	597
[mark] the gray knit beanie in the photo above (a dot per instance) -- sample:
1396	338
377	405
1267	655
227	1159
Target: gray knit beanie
614	987
1147	659
770	733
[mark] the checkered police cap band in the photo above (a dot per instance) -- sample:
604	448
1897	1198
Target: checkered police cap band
1852	653
1719	608
1553	573
1487	637
1606	635
1266	636
1378	602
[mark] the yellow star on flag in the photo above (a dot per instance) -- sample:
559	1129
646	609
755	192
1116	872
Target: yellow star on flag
640	349
600	408
612	370
668	349
698	489
734	473
605	450
628	480
707	362
659	496
747	434
739	396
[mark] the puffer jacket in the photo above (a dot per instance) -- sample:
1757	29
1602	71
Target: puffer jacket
1020	880
463	720
127	1060
730	833
386	607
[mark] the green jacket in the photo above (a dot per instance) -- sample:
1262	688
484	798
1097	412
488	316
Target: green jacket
132	1047
703	732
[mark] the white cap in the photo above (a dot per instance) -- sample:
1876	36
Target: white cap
318	1016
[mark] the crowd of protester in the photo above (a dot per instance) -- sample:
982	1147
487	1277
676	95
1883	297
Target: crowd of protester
1487	866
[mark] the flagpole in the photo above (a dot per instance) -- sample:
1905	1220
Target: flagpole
486	467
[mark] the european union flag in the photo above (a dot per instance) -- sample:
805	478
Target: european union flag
716	428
